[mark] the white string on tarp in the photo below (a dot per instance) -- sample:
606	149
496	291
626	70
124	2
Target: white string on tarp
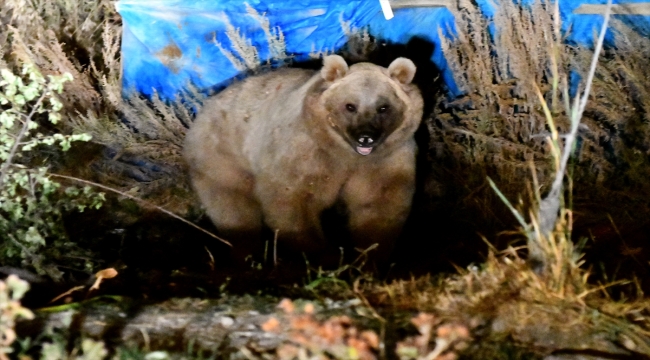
385	7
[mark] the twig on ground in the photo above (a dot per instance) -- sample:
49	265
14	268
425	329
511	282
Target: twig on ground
143	202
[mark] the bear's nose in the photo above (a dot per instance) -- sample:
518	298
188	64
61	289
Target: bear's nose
365	140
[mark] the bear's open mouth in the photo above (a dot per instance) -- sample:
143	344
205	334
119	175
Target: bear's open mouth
365	144
364	150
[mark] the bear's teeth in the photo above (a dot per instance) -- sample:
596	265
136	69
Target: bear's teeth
364	150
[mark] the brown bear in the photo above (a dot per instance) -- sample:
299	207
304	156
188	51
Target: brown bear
278	149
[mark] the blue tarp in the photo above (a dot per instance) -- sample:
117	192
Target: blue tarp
169	44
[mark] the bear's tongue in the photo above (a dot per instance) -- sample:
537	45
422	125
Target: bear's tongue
364	150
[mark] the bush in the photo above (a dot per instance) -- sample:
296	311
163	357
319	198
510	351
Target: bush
31	203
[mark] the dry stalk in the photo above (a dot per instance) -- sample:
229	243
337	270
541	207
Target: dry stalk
142	202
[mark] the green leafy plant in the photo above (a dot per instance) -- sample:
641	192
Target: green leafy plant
31	203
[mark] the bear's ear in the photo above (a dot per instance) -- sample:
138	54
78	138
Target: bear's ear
402	70
334	68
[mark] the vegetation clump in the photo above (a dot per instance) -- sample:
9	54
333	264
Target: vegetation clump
31	203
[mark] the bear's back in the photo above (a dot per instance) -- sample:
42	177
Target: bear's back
260	92
246	110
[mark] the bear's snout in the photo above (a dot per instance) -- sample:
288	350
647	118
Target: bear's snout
365	144
365	140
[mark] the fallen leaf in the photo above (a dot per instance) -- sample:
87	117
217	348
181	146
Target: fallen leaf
371	338
448	356
271	325
287	351
309	308
103	274
452	332
287	306
107	273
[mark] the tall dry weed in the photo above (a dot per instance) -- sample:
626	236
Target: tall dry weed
498	127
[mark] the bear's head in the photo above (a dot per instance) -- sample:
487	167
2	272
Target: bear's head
370	106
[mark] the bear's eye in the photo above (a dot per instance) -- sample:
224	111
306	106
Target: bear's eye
382	109
351	107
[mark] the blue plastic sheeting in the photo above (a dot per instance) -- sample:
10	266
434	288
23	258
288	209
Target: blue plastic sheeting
168	45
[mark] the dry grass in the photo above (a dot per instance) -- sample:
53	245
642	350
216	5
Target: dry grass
498	129
503	299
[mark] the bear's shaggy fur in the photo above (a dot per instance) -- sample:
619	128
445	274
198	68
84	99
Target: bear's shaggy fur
281	148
